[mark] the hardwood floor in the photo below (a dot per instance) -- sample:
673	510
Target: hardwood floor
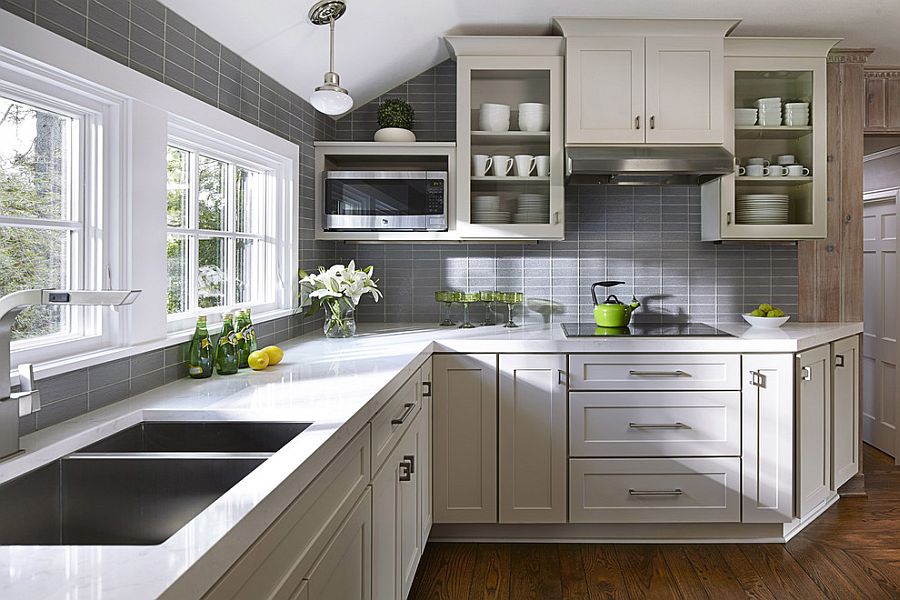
850	552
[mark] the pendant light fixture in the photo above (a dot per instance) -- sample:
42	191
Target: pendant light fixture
330	98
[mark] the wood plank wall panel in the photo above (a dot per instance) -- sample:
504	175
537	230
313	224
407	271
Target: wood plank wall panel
830	270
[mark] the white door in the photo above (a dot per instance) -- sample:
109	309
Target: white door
605	90
880	334
685	83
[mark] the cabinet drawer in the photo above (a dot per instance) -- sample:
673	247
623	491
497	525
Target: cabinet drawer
654	372
392	420
611	424
648	490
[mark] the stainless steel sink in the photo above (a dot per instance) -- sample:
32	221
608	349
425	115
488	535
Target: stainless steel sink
136	487
200	436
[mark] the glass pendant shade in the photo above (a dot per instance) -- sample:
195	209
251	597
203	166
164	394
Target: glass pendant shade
330	98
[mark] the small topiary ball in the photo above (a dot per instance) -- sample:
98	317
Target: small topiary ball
396	113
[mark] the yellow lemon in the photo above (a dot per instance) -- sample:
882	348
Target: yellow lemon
275	354
258	360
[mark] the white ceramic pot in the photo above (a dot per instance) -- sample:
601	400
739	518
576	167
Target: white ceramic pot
394	134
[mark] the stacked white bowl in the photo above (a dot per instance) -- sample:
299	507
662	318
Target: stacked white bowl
769	112
493	117
532	208
486	210
796	114
534	116
745	116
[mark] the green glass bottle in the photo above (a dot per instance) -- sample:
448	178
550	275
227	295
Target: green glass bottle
226	350
249	337
202	352
240	341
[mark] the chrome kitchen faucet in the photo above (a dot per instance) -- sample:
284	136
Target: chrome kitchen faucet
28	400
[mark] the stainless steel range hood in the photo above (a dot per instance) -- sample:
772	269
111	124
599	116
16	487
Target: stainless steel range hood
647	165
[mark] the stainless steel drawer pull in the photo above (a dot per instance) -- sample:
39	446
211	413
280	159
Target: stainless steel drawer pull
839	360
659	374
409	458
405	471
806	374
426	389
637	122
407	408
678	425
675	492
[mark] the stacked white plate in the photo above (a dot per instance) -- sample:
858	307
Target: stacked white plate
745	116
769	112
796	114
486	209
762	209
532	208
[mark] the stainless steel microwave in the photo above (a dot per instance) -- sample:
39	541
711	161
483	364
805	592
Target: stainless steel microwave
385	201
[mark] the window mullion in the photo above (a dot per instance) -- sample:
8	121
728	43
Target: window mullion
194	239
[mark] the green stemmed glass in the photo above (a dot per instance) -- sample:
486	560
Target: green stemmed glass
446	297
467	299
511	299
487	297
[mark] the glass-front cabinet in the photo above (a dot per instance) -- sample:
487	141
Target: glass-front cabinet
510	179
776	126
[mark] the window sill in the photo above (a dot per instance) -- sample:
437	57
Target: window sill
90	359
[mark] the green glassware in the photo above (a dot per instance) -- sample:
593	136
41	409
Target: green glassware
446	298
245	336
200	362
511	299
488	297
226	350
467	299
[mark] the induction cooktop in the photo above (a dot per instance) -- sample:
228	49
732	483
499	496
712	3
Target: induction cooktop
643	330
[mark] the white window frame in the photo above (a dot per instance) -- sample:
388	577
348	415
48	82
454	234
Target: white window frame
95	186
277	235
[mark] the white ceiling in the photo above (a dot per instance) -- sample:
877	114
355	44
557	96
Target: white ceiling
381	43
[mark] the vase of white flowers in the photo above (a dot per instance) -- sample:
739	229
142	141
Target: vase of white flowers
337	290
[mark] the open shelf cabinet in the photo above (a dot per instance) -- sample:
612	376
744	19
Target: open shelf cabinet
793	70
492	71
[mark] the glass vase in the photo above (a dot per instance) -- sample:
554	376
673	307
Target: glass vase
340	321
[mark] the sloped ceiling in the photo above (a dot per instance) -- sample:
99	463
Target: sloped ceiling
382	43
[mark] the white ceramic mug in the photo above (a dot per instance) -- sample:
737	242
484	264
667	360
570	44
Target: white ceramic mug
758	161
786	159
494	117
797	171
524	164
502	165
480	164
739	170
542	165
757	171
776	171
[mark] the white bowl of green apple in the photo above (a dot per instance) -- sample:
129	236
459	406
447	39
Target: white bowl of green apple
766	316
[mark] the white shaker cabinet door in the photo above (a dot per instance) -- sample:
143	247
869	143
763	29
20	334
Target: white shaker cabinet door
767	438
813	428
464	428
845	410
684	90
533	438
605	90
427	395
344	570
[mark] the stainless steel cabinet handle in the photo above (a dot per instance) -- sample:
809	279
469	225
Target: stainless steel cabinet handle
405	471
412	462
675	492
839	360
678	425
652	121
407	408
678	373
637	122
728	218
806	374
560	374
426	389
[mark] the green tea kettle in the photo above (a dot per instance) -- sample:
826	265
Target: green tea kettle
612	313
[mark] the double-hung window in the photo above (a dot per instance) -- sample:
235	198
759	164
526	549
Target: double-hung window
223	236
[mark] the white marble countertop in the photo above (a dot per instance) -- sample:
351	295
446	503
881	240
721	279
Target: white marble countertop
338	385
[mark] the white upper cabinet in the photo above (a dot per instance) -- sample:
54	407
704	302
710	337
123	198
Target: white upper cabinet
644	81
604	90
684	90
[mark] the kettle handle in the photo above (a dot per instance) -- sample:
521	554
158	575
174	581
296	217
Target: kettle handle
606	284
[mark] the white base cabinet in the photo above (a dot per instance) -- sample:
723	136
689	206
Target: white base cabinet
813	435
845	360
532	438
344	570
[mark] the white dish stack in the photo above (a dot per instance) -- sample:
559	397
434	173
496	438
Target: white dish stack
494	117
534	116
532	209
486	210
796	114
744	116
769	112
762	209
